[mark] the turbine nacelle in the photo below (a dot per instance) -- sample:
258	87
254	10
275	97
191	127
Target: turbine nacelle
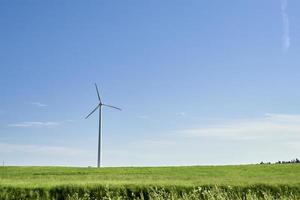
101	104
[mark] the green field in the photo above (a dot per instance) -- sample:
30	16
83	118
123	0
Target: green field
256	181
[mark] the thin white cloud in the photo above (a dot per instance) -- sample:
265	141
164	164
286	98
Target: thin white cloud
271	137
181	114
70	120
143	116
41	150
34	124
283	117
38	104
286	41
271	126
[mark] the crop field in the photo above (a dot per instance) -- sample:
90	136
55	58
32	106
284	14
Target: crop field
280	181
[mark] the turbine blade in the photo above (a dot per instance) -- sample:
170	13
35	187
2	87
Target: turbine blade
98	92
112	106
93	111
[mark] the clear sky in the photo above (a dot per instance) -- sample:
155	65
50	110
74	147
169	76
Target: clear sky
200	82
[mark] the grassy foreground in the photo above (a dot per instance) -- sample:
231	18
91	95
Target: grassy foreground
207	182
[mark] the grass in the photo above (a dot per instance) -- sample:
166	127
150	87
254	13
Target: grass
168	182
288	174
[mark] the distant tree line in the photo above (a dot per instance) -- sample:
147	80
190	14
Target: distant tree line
282	162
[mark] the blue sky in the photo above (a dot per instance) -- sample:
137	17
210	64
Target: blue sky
200	82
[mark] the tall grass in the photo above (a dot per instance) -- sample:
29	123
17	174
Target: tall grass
131	192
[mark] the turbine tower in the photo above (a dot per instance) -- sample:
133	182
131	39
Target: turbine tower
99	106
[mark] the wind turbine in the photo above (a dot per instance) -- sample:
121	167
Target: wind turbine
99	106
